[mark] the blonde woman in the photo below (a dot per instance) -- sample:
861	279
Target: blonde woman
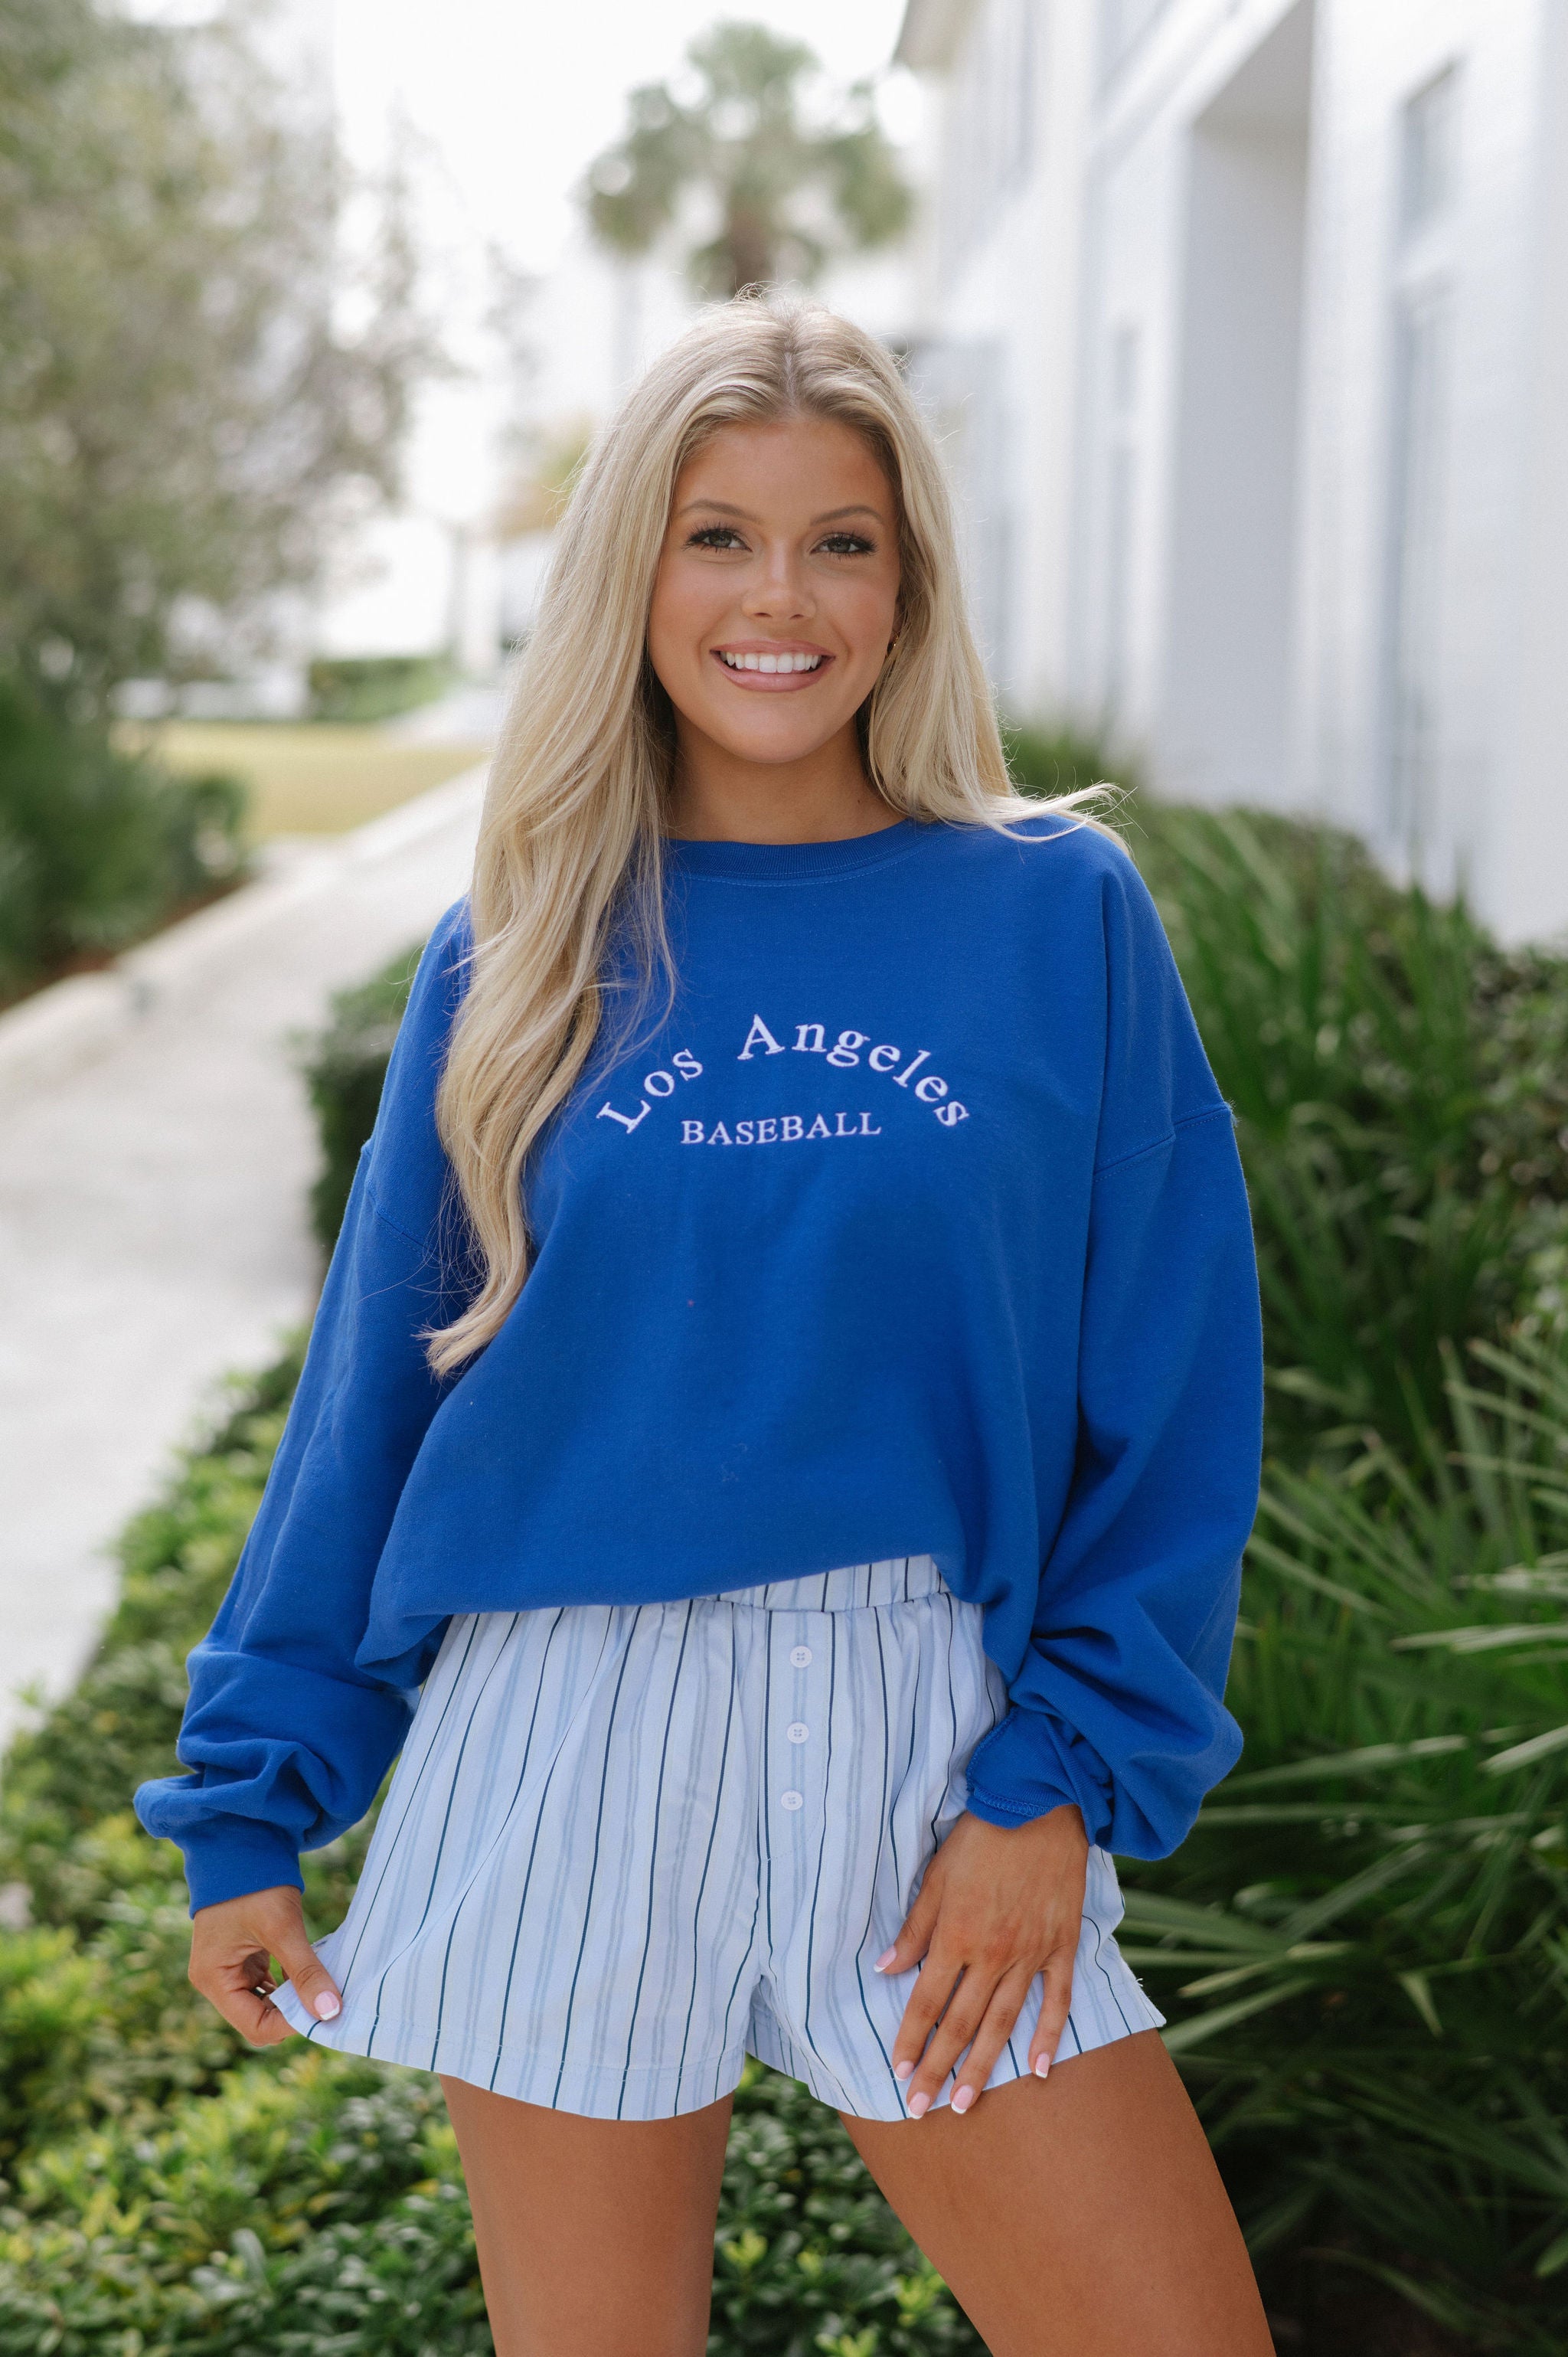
776	1442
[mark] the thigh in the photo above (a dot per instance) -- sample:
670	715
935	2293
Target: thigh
596	2237
1078	2216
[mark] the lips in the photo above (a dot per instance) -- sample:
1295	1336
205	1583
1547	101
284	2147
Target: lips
769	669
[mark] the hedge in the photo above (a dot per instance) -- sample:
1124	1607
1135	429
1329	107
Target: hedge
97	848
359	688
344	1066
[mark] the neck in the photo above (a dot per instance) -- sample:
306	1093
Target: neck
826	797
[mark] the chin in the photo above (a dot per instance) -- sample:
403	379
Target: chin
772	731
773	748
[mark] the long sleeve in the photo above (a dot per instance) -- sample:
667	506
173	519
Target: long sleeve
286	1739
1118	1704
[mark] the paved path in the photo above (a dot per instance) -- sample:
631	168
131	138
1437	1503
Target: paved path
155	1148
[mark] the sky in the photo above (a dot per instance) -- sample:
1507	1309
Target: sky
517	96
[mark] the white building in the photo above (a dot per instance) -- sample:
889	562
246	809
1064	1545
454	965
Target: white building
1248	322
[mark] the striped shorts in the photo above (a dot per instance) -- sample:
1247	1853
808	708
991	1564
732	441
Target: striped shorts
626	1845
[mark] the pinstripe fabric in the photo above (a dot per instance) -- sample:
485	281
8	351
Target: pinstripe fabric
626	1844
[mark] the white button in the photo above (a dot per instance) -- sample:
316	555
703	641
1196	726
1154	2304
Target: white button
791	1800
797	1730
799	1657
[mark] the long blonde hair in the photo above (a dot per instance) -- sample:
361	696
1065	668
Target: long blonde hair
569	847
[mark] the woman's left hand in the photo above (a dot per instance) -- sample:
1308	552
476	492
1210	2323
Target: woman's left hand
998	1904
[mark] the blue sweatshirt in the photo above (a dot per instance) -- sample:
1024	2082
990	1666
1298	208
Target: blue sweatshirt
913	1225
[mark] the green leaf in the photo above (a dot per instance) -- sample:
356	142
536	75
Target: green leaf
1186	2037
1417	1986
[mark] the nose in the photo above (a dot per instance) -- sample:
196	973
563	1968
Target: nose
778	589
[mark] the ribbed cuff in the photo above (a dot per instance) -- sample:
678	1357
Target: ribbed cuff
1030	1763
997	1812
235	1857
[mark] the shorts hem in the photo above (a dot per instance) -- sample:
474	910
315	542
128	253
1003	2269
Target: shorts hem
1101	2016
1085	2036
592	2090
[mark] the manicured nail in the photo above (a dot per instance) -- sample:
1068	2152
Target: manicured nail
326	2006
884	1960
963	2098
903	2070
1042	2066
919	2105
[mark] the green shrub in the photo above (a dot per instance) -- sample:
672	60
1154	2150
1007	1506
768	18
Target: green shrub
311	2202
808	2256
1362	1947
315	2203
97	848
344	1066
1400	1087
1062	761
375	687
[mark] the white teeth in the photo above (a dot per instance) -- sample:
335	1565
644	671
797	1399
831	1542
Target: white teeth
772	662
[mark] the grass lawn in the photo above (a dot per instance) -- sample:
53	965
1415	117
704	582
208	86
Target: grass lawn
308	779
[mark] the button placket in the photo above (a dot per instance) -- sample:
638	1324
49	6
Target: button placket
797	1731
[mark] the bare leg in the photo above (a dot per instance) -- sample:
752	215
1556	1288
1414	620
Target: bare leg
596	2237
1078	2216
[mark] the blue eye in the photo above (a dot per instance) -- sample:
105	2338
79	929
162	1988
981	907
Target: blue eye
846	543
715	535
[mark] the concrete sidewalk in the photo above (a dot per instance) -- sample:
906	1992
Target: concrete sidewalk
155	1148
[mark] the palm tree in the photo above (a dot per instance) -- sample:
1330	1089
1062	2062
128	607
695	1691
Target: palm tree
789	195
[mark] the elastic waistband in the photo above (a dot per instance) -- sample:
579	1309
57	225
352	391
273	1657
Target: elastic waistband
855	1586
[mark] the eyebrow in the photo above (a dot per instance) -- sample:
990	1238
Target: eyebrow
724	507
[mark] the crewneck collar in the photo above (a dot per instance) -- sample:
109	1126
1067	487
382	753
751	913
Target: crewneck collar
795	863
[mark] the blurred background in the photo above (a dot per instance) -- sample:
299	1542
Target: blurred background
1243	327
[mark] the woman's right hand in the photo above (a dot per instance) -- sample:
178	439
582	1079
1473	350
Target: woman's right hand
232	1949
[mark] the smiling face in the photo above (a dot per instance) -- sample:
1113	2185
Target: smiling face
777	593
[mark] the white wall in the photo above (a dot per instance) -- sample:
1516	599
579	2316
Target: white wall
1186	224
1283	464
1224	719
1372	61
996	298
1521	864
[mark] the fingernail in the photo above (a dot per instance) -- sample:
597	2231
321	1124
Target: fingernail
919	2105
326	2006
903	2070
884	1960
1042	2067
963	2098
